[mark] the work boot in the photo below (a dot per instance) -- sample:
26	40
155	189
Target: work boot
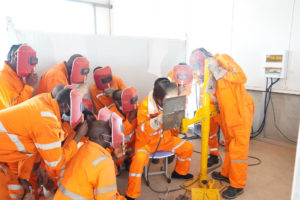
212	160
129	198
170	159
179	176
232	193
218	176
155	160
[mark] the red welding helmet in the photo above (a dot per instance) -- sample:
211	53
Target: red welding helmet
103	77
183	74
26	60
129	99
80	70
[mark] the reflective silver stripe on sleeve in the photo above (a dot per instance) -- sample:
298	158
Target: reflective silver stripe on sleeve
16	196
53	163
111	105
157	132
105	189
9	104
142	150
98	160
3	168
214	135
48	114
213	149
14	139
142	127
130	149
61	175
187	159
99	95
70	194
176	147
14	187
135	175
239	160
128	137
48	146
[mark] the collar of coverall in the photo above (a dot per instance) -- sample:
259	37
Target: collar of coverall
10	70
55	106
152	107
99	147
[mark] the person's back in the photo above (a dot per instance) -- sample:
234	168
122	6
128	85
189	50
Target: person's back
82	173
74	71
90	174
24	122
52	77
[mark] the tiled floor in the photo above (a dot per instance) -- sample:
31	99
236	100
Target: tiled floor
272	180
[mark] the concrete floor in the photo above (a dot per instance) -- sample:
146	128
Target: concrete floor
270	180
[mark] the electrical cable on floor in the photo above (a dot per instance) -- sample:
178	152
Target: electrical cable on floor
255	158
268	92
275	123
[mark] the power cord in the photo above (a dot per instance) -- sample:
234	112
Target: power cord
253	157
275	123
268	92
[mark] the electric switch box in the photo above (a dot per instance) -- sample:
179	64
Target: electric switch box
276	64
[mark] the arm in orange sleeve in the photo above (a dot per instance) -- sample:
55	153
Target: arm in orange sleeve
54	80
97	104
235	76
48	144
9	97
151	126
25	167
121	84
234	71
103	179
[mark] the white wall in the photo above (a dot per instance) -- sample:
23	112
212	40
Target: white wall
138	61
59	16
245	29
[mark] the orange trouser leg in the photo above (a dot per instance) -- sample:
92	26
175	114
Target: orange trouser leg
183	151
236	160
181	148
213	137
14	188
4	177
139	160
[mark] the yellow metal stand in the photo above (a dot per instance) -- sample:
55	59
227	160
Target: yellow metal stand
204	189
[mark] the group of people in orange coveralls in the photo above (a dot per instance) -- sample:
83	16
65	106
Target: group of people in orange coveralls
67	141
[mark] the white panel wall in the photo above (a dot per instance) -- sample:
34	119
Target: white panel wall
245	29
293	81
210	25
258	28
137	61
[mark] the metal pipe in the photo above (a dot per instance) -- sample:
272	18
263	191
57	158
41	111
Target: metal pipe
94	3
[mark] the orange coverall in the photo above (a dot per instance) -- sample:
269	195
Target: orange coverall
13	89
52	77
24	136
213	136
99	98
236	114
89	175
147	139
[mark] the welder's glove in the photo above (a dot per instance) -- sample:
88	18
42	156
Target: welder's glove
217	71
